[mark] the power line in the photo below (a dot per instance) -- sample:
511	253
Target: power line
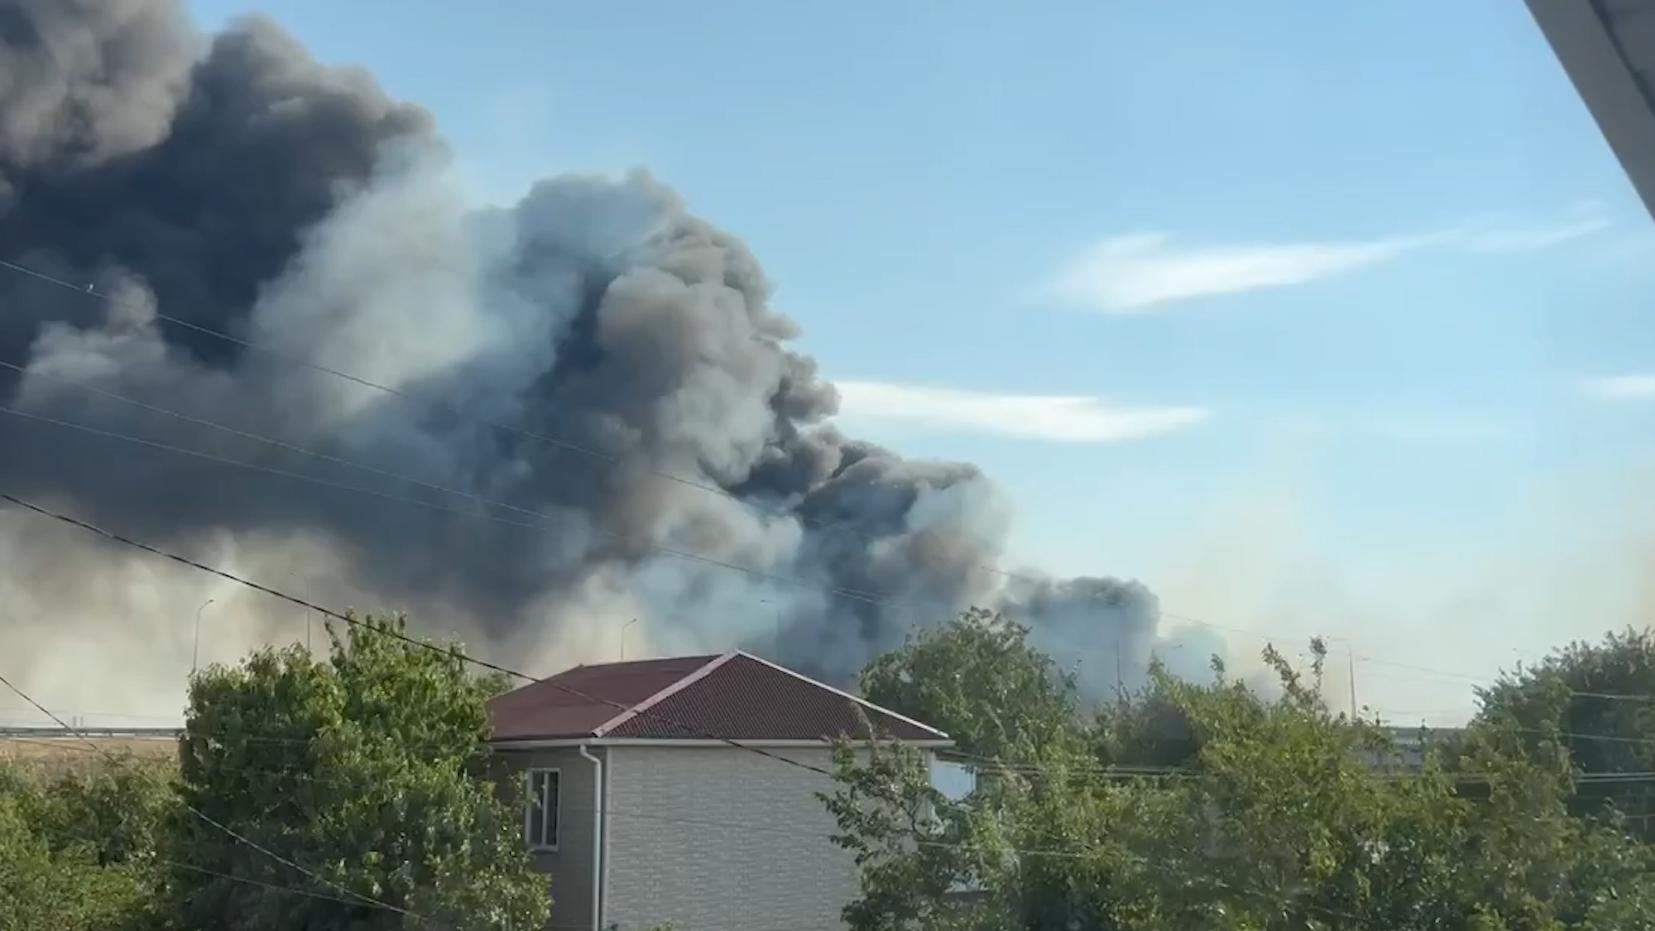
979	762
340	486
100	714
394	634
1570	735
291	447
224	460
870	597
398	476
409	397
598	455
292	890
854	594
749	826
1610	696
1359	657
209	820
561	444
1117	771
1481	680
308	606
689	555
944	844
449	408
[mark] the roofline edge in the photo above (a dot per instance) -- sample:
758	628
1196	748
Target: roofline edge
552	743
941	735
683	682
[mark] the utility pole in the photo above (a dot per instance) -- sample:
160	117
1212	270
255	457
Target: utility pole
1350	655
1120	683
1350	666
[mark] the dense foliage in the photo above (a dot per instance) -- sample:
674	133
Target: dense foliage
78	846
978	680
1264	814
345	793
1596	699
368	773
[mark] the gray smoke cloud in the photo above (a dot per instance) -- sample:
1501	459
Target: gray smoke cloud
233	182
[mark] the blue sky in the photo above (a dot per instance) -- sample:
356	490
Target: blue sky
1326	292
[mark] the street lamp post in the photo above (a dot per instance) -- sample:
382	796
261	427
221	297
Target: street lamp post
623	636
1350	661
766	601
195	648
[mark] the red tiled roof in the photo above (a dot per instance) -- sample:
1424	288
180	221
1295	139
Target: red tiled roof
544	710
733	695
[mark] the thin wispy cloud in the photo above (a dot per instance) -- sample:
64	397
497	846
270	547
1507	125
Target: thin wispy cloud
1621	387
1495	238
1138	272
1061	418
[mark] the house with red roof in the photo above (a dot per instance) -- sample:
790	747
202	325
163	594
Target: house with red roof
683	790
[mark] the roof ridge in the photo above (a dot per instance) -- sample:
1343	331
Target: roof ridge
842	693
681	683
650	659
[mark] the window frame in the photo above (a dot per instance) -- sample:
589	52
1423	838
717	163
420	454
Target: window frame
556	809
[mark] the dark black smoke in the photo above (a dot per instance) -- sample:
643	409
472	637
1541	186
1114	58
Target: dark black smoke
236	183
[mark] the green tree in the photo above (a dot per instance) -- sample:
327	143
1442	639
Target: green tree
115	808
904	837
1288	817
978	679
368	770
1567	697
1146	728
57	872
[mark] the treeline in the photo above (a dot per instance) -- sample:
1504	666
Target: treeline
1208	805
343	792
353	791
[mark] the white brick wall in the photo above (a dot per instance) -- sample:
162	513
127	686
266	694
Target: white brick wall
720	839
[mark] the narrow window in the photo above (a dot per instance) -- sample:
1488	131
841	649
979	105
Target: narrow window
540	812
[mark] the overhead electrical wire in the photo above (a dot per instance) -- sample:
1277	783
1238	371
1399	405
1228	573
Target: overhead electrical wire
237	836
556	443
296	359
387	496
470	514
689	730
565	445
484	502
292	890
599	455
853	594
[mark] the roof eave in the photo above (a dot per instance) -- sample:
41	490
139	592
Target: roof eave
550	743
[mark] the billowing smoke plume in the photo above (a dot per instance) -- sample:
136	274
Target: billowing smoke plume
556	359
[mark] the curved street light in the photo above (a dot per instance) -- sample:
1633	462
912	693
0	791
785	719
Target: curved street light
623	636
195	648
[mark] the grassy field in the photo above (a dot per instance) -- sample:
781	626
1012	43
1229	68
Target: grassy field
70	752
